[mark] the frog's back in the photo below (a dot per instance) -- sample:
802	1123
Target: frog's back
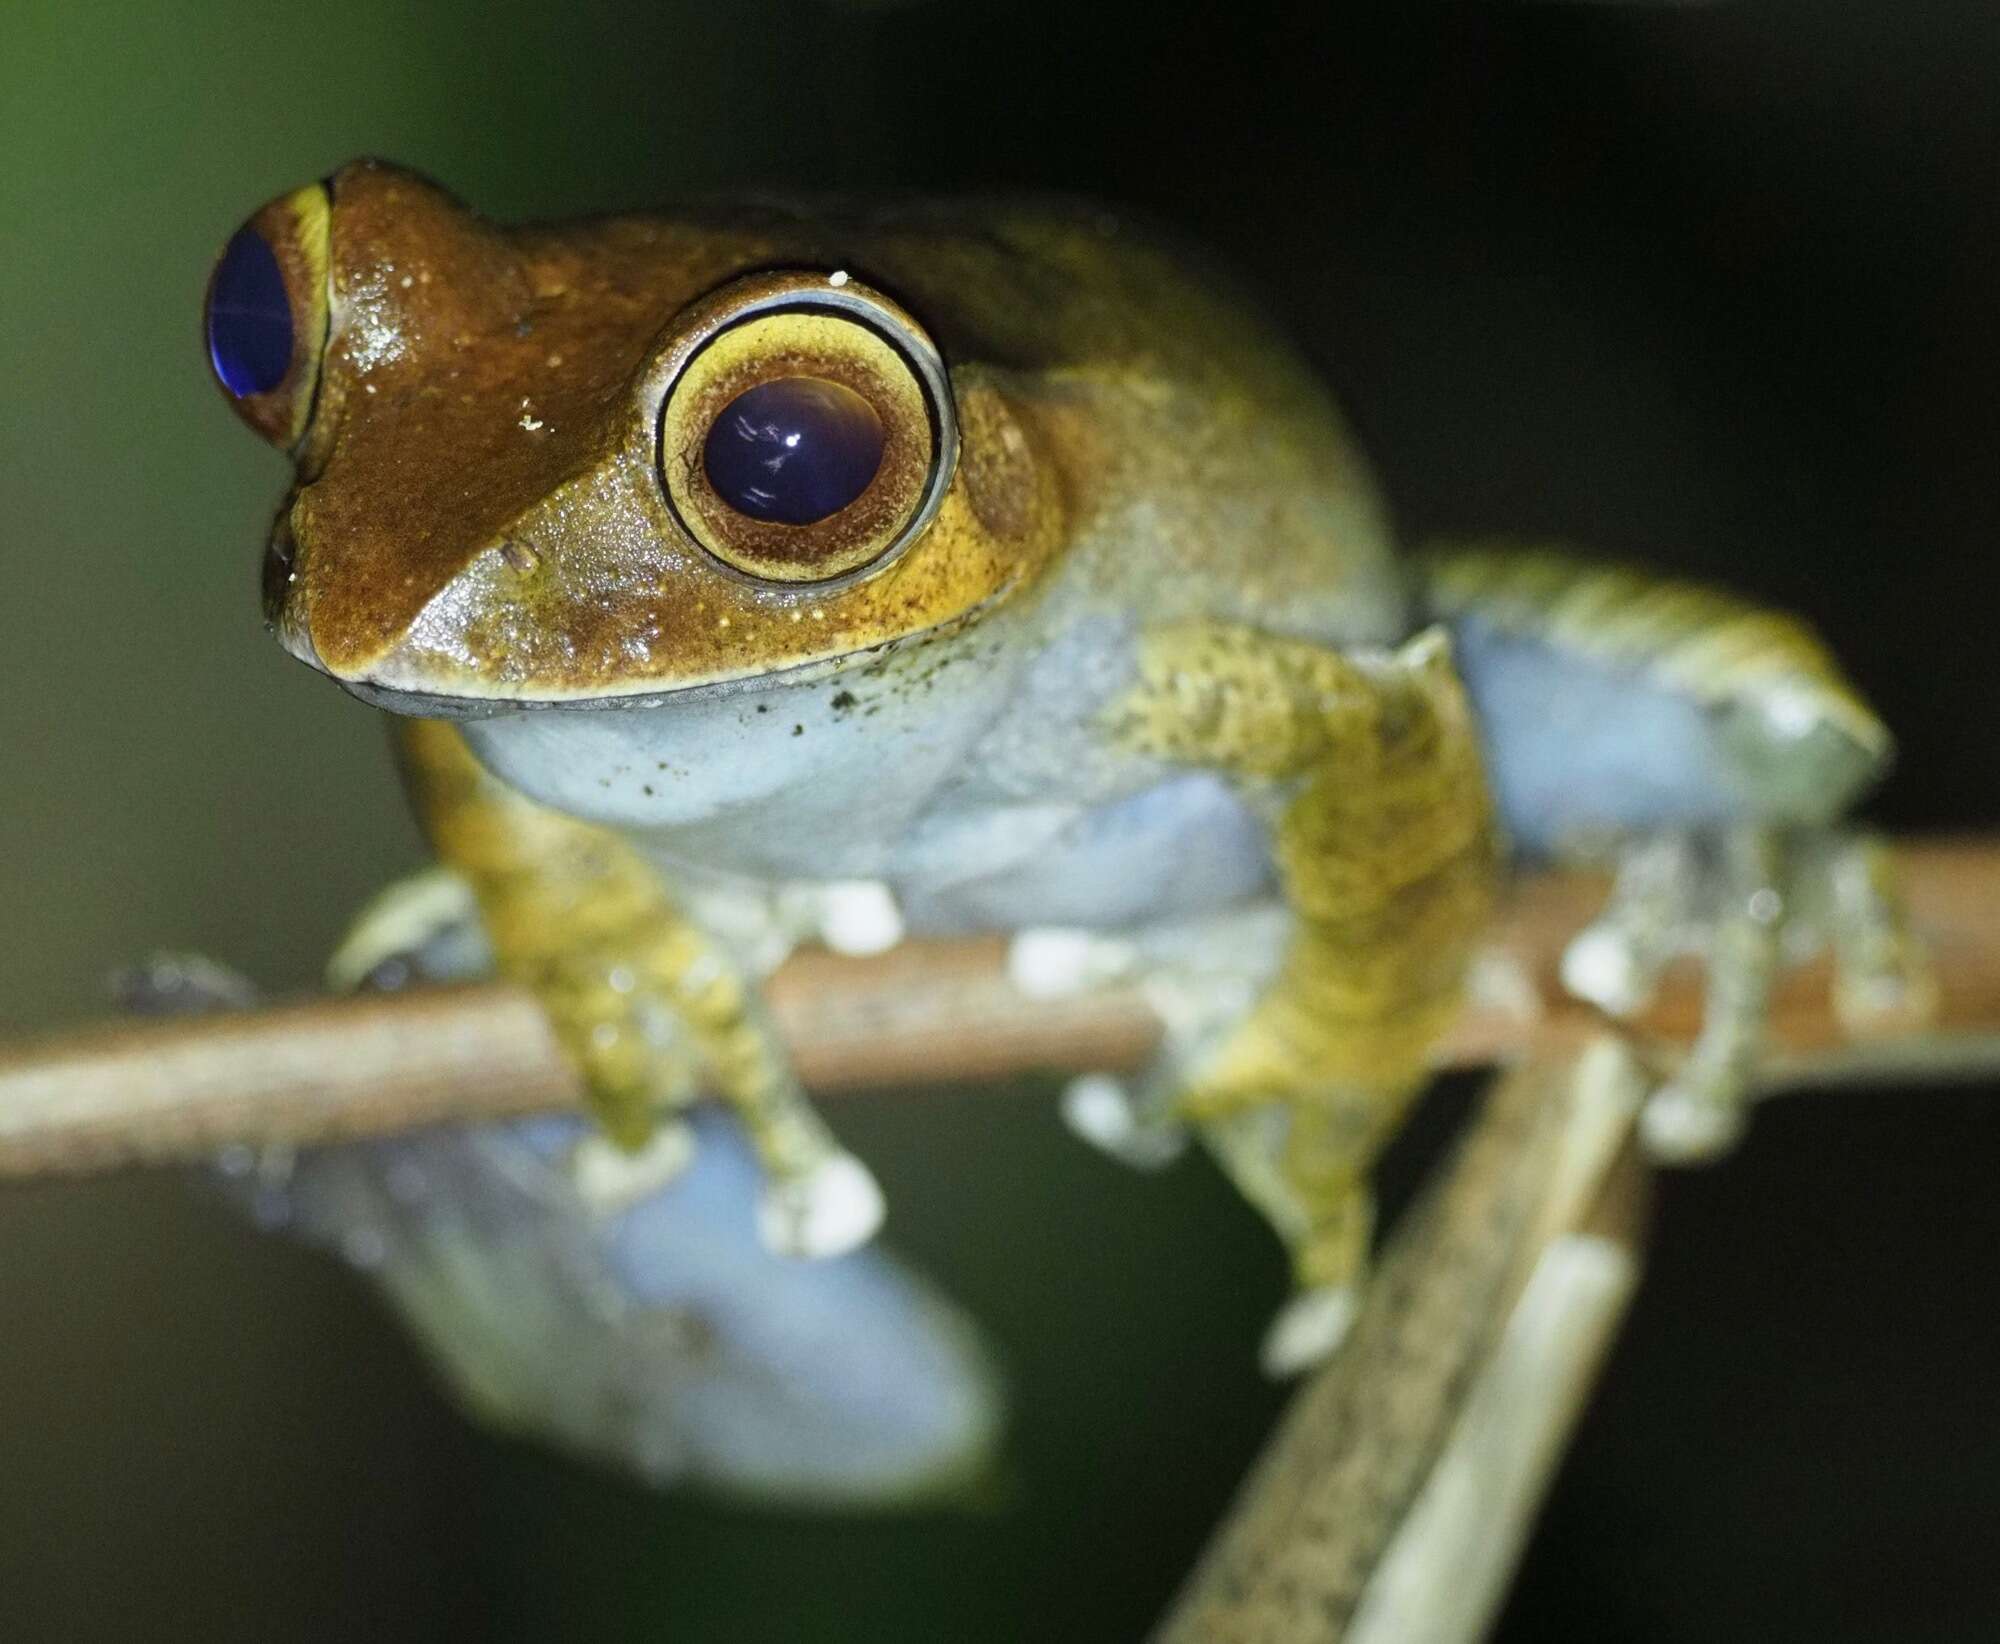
1031	283
1213	474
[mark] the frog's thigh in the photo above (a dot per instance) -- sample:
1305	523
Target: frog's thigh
1368	771
640	995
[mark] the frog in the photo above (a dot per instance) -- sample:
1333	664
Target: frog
740	571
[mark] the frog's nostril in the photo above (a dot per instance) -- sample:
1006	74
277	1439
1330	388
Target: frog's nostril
281	608
279	556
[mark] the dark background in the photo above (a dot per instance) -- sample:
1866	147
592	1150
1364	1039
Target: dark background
1711	284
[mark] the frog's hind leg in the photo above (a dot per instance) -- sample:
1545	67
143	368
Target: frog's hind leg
1368	772
648	1003
1718	744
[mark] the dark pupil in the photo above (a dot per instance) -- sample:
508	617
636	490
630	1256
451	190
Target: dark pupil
793	450
249	317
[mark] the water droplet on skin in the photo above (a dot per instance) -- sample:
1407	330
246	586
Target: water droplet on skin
519	556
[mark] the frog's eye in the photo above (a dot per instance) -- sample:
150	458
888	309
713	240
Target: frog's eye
808	433
265	318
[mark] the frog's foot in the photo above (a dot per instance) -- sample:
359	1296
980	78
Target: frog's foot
1746	902
1302	1163
1883	981
611	1180
828	1210
180	984
1135	1128
1199	976
1275	1157
1616	961
857	917
654	1017
421	928
658	1019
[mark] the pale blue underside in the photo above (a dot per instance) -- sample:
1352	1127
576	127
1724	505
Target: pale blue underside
664	1341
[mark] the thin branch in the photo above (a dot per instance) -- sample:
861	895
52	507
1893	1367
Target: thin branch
1392	1501
928	1013
1393	1498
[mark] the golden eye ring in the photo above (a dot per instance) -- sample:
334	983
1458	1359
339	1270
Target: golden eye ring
806	434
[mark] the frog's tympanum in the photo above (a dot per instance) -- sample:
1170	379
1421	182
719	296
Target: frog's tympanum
747	572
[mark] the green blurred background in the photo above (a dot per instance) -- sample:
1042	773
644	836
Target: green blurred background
1711	284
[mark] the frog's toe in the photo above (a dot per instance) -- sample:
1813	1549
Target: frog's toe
832	1208
1883	980
1057	962
1682	1124
1309	1329
1100	1110
1604	968
1699	1113
180	984
858	917
1616	962
422	927
611	1179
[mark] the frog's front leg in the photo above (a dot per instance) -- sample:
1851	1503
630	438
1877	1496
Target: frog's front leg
652	1008
1367	770
1716	745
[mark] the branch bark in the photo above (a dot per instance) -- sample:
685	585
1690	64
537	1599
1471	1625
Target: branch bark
1389	1505
1392	1501
930	1013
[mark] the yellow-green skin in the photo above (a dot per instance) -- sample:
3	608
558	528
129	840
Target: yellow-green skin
1159	586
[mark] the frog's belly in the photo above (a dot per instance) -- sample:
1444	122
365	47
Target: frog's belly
1187	846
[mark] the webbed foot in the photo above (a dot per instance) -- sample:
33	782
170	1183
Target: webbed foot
1746	903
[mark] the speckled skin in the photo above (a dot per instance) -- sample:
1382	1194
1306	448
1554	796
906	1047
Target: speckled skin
1153	655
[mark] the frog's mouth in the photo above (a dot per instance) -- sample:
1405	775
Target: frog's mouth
432	705
418	703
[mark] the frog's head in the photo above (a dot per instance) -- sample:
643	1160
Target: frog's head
608	460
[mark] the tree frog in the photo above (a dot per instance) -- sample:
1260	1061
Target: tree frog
990	566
